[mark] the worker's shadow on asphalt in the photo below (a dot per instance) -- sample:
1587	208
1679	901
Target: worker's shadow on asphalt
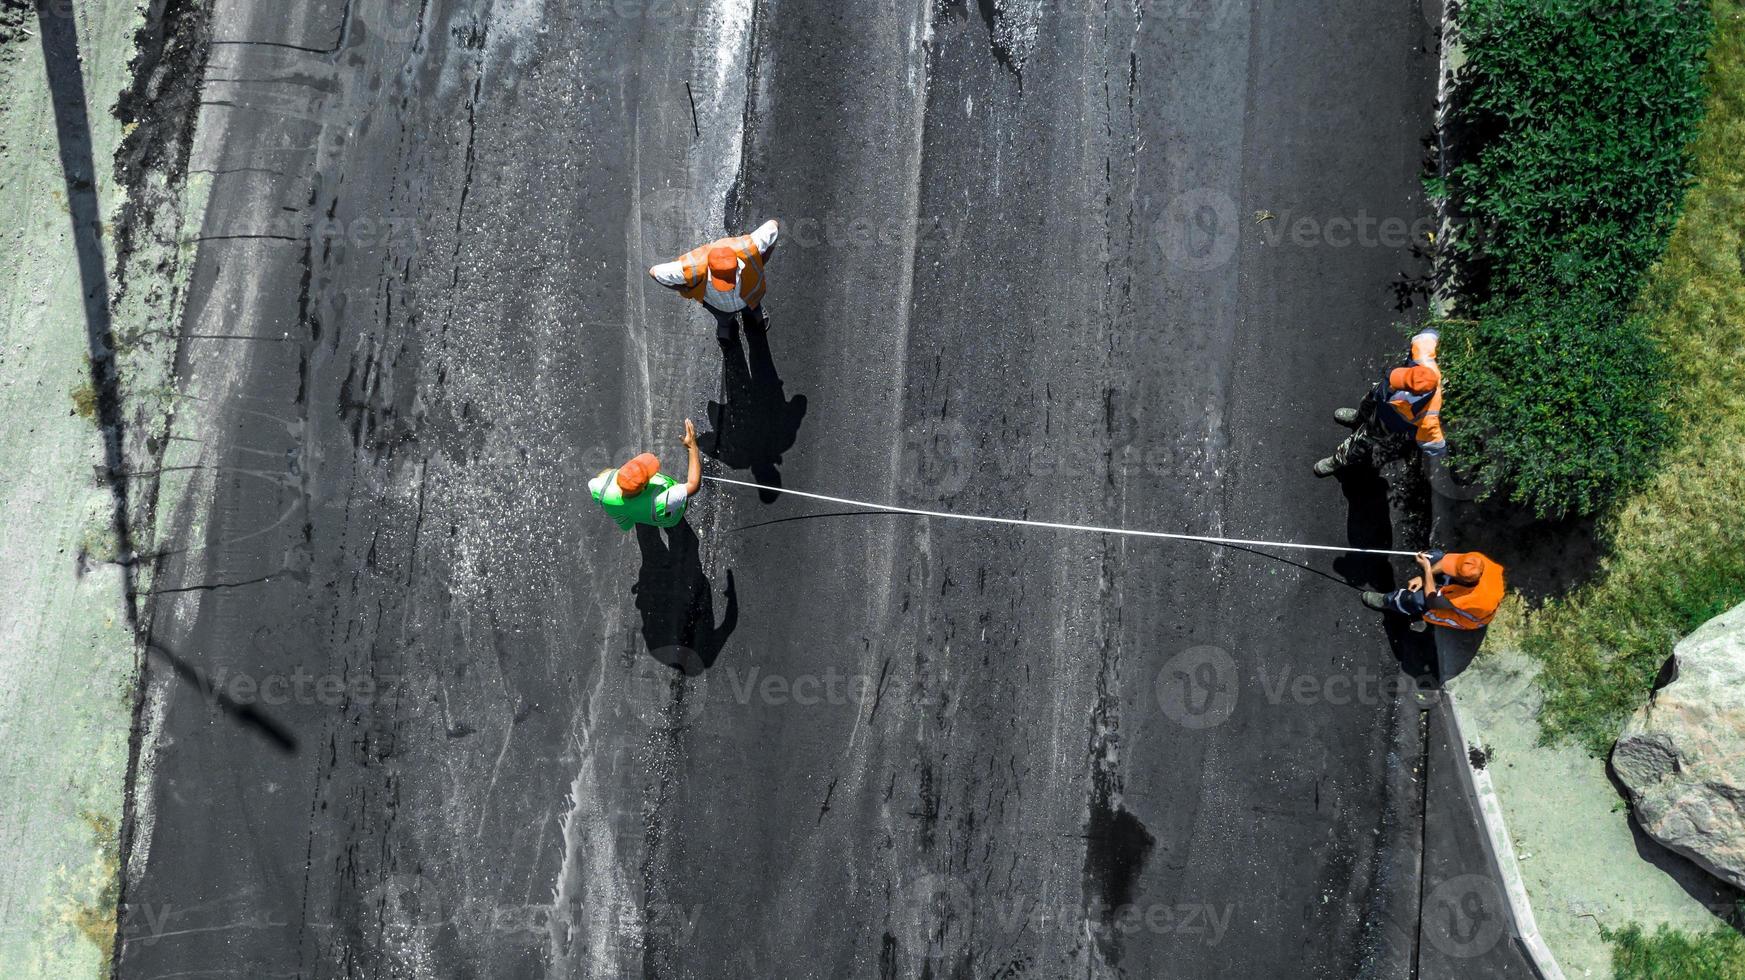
757	422
1369	523
677	603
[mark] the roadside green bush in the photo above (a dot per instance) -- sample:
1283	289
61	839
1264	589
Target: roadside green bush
1668	954
1572	119
1572	123
1559	399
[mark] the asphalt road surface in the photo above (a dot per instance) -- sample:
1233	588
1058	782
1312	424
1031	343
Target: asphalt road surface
423	711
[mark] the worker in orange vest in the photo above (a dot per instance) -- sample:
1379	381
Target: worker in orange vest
1407	401
726	276
1457	592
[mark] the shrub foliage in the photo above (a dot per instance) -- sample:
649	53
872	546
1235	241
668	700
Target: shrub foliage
1577	114
1572	119
1559	399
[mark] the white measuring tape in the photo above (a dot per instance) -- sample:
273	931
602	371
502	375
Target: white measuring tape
1127	532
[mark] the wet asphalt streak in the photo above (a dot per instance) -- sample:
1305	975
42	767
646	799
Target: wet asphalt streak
1095	264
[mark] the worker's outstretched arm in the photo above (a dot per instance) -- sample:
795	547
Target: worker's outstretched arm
1424	345
765	237
693	478
668	274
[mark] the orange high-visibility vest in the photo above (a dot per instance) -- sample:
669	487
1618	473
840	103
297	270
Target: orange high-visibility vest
1418	414
696	267
1474	606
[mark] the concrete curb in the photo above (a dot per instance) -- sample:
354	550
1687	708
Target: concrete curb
1500	854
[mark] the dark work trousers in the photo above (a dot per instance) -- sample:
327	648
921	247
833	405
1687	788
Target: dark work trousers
1408	603
1366	434
727	326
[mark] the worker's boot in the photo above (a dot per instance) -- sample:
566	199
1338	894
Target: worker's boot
1376	600
1346	454
757	319
1347	417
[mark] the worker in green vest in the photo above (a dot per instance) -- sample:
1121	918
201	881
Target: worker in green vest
639	493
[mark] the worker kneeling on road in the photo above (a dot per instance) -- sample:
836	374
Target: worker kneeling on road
1407	401
726	276
1457	592
638	493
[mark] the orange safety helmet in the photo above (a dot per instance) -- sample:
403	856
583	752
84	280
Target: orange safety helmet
1467	570
723	268
634	475
1417	379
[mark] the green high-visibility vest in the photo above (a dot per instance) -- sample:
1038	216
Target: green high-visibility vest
644	508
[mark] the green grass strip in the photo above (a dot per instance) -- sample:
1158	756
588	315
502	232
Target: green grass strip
1668	954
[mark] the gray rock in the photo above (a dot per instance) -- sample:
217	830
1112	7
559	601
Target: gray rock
1682	757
